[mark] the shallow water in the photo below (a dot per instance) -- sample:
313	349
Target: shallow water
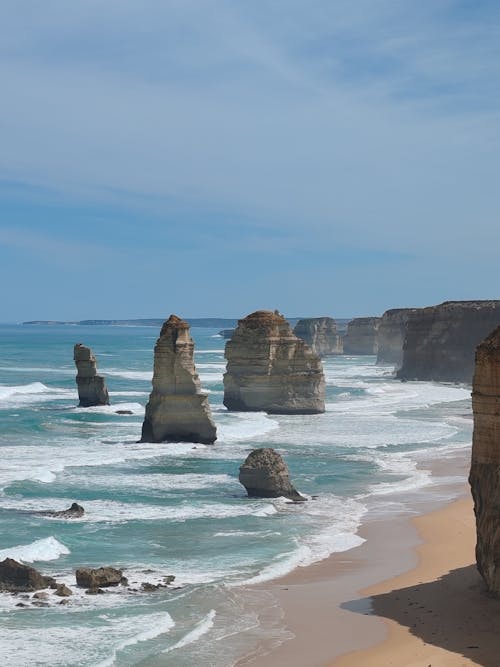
158	509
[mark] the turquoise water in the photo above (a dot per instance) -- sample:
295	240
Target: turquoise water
159	509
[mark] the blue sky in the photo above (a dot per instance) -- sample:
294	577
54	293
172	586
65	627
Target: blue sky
335	157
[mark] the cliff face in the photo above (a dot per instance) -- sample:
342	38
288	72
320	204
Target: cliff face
270	369
391	336
441	340
362	336
484	475
177	410
320	333
91	387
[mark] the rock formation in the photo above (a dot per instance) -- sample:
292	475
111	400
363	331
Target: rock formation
362	336
100	577
484	475
320	333
226	333
177	411
391	336
16	577
91	387
270	369
441	340
265	475
76	511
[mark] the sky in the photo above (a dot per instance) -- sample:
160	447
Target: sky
213	157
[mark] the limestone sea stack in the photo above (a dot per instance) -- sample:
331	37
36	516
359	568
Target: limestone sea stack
92	388
320	333
270	369
484	475
362	336
265	475
391	336
441	340
177	410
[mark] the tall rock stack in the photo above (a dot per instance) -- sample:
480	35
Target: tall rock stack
91	387
484	475
362	336
441	340
270	369
391	336
177	410
320	333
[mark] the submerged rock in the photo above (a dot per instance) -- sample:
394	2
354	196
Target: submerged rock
484	475
94	578
441	340
177	410
74	512
320	333
92	388
265	475
362	336
16	577
270	369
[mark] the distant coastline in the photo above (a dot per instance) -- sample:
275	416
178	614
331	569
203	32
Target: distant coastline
212	322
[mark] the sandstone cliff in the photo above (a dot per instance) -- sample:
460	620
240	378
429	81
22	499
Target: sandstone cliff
320	333
91	387
270	369
391	336
265	475
177	411
362	336
441	340
484	475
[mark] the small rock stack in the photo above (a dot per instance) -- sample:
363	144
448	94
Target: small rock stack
92	388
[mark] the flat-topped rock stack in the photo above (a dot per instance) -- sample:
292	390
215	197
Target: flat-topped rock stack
270	369
92	388
320	333
484	475
177	410
441	340
362	336
391	336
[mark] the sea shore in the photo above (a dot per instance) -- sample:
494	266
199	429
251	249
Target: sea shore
409	596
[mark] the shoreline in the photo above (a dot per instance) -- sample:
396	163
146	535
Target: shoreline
338	609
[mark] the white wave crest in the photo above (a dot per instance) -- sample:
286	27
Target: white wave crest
204	626
41	550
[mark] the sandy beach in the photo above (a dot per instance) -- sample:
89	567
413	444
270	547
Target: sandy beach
429	607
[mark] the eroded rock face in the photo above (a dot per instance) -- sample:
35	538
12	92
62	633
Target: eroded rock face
265	475
441	340
16	577
391	336
320	333
92	388
100	577
177	410
362	336
270	369
484	475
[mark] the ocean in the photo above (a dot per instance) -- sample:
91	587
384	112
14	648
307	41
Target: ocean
178	509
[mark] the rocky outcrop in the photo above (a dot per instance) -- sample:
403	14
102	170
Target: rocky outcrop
91	387
226	333
270	369
441	340
362	336
76	511
484	475
100	577
320	333
265	475
177	410
18	578
391	336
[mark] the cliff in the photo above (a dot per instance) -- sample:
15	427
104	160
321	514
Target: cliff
91	387
391	336
362	336
320	333
271	369
177	410
441	340
484	475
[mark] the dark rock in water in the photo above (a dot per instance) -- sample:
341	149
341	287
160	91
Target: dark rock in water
16	577
64	601
123	412
226	333
147	587
265	475
320	333
94	591
74	512
41	595
177	410
169	579
92	388
63	591
92	578
40	603
21	604
362	336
